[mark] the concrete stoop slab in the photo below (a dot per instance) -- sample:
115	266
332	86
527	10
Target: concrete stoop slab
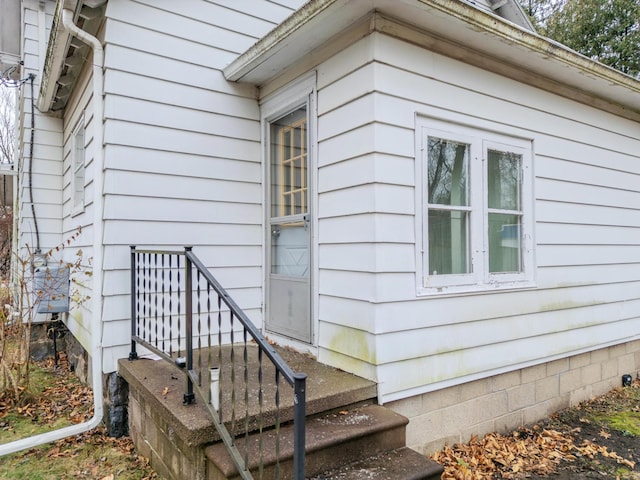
344	426
163	384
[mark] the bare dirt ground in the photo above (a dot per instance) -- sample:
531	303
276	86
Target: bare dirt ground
598	439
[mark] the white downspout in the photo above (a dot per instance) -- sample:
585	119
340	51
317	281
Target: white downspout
96	317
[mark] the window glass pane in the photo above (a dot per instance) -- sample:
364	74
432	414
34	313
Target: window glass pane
288	164
448	247
505	243
504	180
447	172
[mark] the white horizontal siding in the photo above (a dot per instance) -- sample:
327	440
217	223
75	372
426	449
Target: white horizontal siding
179	141
160	43
569	192
176	92
79	246
222	256
563	275
141	160
182	145
272	11
42	191
148	232
177	117
569	171
123	59
586	214
367	198
348	312
587	221
194	211
445	369
190	188
367	227
559	255
365	169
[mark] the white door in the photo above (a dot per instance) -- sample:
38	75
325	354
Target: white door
289	288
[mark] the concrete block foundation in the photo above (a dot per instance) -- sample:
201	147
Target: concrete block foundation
504	402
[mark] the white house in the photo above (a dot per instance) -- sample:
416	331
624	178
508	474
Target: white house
457	219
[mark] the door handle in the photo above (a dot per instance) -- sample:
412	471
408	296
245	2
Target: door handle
275	231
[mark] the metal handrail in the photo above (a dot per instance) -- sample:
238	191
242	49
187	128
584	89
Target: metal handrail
146	278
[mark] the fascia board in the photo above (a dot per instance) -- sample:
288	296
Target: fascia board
319	20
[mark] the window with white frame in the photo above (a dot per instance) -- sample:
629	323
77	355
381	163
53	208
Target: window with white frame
78	166
476	203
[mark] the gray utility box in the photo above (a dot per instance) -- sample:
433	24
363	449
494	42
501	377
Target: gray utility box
51	289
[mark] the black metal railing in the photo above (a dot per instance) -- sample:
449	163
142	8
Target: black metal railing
180	312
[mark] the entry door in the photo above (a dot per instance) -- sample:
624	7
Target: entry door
289	290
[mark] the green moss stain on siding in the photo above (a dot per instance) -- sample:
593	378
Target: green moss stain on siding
353	344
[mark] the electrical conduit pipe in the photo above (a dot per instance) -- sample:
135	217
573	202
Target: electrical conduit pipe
98	204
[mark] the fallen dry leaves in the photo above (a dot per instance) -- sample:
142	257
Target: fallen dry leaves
66	397
536	450
71	400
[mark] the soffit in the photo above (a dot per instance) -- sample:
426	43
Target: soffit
462	31
66	55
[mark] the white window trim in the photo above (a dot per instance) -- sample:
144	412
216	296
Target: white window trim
77	201
480	139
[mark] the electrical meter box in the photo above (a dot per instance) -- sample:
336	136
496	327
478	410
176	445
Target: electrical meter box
51	289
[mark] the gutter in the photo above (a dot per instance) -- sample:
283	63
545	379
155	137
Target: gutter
96	318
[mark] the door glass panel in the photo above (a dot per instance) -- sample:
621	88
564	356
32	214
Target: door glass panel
289	164
290	249
289	236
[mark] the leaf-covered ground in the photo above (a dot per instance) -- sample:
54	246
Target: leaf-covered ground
58	399
599	439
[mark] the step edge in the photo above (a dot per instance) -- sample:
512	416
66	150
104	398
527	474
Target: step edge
392	421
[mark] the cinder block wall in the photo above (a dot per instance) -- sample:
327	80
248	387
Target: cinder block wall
155	439
505	402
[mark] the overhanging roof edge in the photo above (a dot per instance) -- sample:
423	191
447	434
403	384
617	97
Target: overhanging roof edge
254	63
56	50
246	61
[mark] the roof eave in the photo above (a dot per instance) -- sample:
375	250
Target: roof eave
65	54
54	61
319	20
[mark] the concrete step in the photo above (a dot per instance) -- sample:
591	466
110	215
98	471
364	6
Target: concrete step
161	385
332	441
400	464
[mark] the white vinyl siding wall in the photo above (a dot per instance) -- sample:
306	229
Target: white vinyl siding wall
79	217
586	177
46	191
182	146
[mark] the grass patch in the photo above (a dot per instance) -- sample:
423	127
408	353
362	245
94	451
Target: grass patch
627	423
90	456
55	399
619	411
